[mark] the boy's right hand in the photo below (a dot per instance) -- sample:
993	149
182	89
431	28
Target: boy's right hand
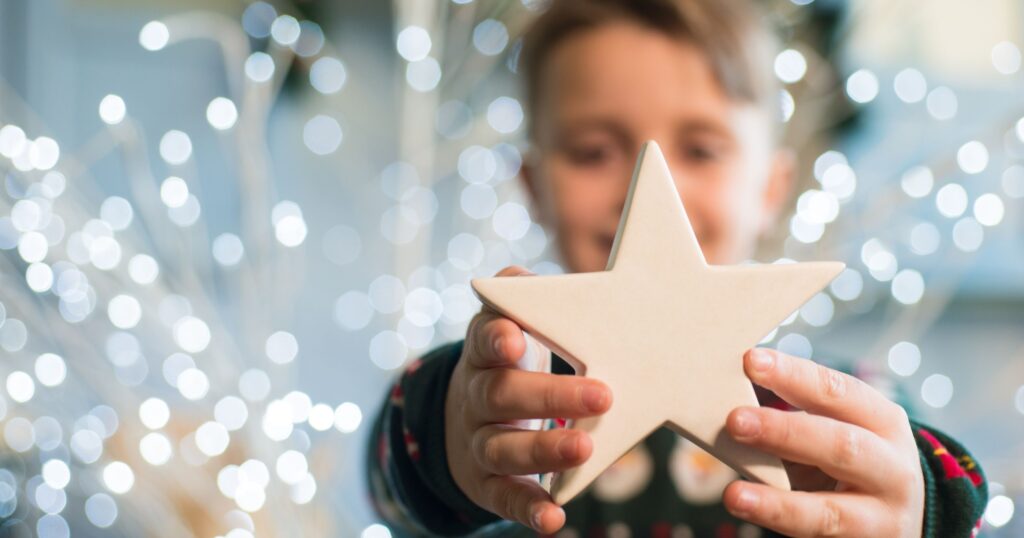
489	396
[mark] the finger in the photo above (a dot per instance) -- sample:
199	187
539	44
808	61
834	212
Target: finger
843	451
522	499
505	394
824	391
799	513
506	450
514	270
494	341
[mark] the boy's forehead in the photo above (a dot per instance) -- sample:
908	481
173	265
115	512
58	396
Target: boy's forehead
622	56
624	72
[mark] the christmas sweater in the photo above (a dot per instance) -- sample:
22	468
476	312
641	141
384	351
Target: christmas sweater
664	487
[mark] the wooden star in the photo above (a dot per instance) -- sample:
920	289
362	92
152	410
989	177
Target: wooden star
663	329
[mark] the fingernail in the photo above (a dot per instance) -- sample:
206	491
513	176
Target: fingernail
568	446
497	345
746	424
595	398
537	517
761	359
747	500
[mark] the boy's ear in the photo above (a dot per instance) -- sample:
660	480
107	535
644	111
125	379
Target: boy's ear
779	187
529	176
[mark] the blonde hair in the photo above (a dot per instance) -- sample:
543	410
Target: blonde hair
732	34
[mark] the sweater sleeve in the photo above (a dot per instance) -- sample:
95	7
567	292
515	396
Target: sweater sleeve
411	487
956	492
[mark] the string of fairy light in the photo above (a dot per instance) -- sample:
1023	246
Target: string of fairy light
83	274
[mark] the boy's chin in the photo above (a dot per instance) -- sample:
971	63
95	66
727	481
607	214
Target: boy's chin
588	259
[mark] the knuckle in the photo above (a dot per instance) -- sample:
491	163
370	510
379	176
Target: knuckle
476	324
539	451
496	394
481	392
475	334
506	502
833	384
784	366
482	389
524	505
848	448
778	429
778	512
478	446
831	522
514	502
457	397
551	398
910	480
905	523
906	473
490	453
476	388
900	416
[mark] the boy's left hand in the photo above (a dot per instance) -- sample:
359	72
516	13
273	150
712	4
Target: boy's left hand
856	443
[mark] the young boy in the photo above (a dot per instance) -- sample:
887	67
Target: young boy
603	76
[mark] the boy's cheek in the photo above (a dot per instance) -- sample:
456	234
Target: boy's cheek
728	225
582	252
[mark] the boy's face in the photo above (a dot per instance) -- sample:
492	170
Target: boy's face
603	93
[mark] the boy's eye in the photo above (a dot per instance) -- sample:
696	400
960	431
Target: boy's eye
699	152
588	154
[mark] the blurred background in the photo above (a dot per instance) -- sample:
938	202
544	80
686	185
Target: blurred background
226	225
